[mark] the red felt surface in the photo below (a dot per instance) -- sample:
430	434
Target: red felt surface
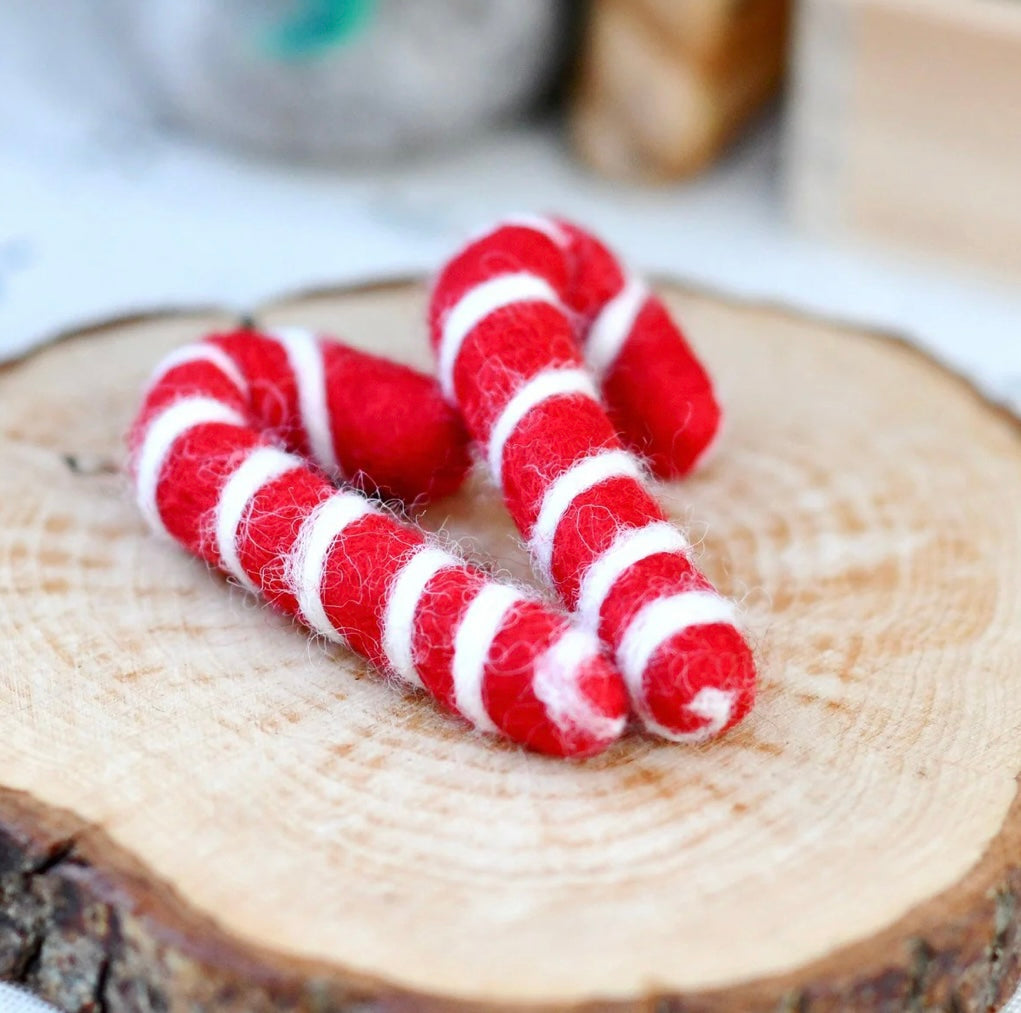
497	357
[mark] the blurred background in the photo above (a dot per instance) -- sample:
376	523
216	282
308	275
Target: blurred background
856	158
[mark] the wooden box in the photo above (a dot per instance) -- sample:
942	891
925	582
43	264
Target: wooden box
904	126
665	84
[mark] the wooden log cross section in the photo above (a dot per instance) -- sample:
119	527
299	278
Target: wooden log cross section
201	809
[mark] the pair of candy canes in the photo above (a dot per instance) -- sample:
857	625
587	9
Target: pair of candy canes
241	437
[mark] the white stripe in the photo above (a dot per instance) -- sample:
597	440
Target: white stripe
402	603
548	384
476	304
563	491
657	622
650	628
308	558
201	352
556	686
629	547
612	327
472	643
305	358
259	468
537	223
710	703
713	705
162	433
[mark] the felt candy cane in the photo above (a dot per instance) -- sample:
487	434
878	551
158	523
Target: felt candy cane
207	476
508	357
379	425
658	394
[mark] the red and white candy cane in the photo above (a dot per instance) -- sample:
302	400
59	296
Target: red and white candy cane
207	475
509	359
659	396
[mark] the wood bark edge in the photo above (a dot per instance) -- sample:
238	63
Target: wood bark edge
81	921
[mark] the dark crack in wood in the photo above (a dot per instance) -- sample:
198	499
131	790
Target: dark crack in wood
88	465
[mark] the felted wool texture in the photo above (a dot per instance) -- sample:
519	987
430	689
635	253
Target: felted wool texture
500	329
211	477
658	394
378	424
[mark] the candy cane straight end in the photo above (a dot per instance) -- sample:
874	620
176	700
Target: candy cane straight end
701	686
679	426
591	714
700	440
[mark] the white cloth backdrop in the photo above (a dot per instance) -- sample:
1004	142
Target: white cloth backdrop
15	1001
102	213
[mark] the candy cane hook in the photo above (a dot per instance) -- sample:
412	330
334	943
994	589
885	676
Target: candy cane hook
658	395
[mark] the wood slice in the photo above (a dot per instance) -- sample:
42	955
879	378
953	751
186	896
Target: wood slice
200	809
